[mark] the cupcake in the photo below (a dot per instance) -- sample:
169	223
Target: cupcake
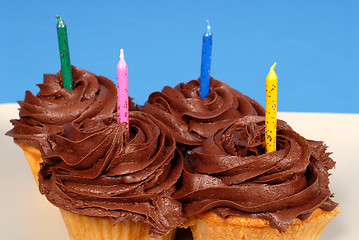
110	182
233	189
192	119
54	106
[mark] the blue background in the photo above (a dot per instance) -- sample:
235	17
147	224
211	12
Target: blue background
315	44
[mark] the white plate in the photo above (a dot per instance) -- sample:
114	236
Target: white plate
26	214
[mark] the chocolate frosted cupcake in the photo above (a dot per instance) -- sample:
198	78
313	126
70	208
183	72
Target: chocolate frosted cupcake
231	187
54	106
110	182
193	119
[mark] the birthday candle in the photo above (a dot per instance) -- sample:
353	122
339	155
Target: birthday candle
206	63
122	90
64	54
271	111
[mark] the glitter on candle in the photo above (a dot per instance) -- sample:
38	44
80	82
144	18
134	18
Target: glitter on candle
271	110
122	90
206	63
64	54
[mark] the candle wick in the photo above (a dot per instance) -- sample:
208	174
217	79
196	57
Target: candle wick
60	22
122	54
273	66
208	26
59	18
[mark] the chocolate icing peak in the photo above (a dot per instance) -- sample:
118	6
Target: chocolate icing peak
232	175
97	168
193	119
54	106
243	140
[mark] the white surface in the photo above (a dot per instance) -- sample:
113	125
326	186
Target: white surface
26	214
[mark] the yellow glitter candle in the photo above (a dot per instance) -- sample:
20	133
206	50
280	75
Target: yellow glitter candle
271	110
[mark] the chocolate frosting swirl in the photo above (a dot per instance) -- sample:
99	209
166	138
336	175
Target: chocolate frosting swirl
97	168
54	106
232	175
193	119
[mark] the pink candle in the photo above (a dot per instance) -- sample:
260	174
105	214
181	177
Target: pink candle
122	90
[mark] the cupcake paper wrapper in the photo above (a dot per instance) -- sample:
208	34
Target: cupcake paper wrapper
209	226
94	228
33	157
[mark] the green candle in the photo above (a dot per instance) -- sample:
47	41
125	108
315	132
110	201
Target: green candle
64	54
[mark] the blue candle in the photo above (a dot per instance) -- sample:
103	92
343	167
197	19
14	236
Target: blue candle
206	63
